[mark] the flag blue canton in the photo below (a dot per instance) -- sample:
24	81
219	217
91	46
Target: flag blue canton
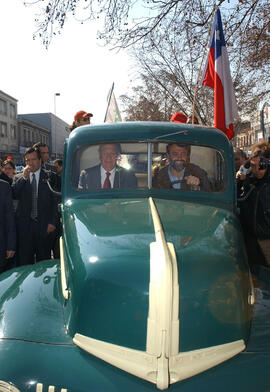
218	38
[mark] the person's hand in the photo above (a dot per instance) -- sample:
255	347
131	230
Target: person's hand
192	180
26	172
10	254
240	176
50	228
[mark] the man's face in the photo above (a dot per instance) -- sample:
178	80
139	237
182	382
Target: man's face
254	164
58	168
108	156
32	161
238	161
83	121
178	157
44	152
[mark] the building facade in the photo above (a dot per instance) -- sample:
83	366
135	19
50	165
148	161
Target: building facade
30	133
257	130
57	131
9	136
18	132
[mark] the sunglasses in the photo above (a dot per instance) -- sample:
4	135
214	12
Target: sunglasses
84	119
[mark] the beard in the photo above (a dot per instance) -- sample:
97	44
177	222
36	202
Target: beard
178	164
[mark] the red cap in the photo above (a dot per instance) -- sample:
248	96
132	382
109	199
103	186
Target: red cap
82	114
9	158
179	117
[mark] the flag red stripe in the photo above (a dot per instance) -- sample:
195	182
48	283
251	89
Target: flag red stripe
210	70
220	108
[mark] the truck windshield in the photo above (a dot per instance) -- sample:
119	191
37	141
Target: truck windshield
159	165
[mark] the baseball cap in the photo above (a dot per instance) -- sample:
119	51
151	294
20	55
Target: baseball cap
82	114
179	117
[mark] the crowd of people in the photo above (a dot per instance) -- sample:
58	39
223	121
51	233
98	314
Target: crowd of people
253	191
30	224
29	219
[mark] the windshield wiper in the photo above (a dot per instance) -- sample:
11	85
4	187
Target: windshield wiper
163	136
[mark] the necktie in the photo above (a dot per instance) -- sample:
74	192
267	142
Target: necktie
107	182
34	212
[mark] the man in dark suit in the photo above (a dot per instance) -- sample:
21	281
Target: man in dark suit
55	182
180	173
108	174
36	213
7	226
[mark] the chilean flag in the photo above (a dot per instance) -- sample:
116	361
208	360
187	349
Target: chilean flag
217	76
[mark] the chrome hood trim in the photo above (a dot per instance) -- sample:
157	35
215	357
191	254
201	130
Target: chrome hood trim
161	363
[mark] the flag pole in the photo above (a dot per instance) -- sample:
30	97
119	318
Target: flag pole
199	72
109	100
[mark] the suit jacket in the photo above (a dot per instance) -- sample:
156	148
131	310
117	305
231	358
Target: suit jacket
46	203
90	179
163	181
7	220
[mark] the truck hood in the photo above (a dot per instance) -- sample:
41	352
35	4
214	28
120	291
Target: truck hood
153	276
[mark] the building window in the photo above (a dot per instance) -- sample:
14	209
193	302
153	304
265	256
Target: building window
12	111
13	131
3	129
3	106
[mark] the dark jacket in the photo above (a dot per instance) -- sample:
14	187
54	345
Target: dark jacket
90	179
7	220
163	181
6	178
255	210
47	201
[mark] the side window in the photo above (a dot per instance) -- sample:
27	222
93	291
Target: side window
110	166
184	167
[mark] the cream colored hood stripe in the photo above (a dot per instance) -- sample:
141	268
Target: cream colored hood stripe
65	291
161	363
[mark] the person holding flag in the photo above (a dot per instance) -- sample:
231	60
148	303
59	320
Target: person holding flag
217	76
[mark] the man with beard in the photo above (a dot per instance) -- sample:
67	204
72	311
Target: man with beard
180	173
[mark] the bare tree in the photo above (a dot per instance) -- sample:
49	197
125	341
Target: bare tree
169	38
148	102
126	22
171	59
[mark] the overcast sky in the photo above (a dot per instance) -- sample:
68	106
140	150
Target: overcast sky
74	66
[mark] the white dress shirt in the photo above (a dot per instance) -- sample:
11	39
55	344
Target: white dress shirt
103	176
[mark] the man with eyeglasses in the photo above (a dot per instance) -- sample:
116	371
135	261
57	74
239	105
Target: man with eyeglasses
180	173
107	175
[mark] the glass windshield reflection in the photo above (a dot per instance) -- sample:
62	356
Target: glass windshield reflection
174	166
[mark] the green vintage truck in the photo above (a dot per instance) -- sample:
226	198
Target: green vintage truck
152	289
